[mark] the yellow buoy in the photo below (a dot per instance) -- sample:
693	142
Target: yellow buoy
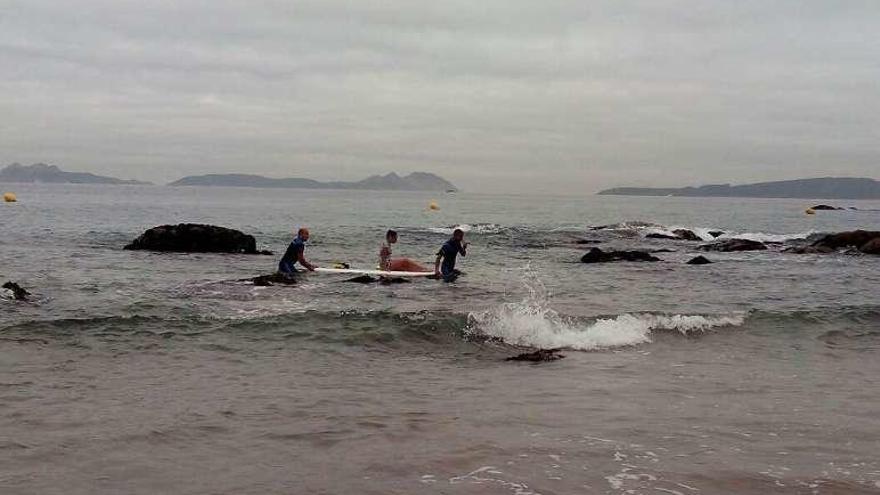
433	206
810	211
10	198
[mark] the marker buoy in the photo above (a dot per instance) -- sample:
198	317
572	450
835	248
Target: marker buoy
433	206
10	198
810	211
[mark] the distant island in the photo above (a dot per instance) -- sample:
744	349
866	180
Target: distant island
416	181
822	188
40	172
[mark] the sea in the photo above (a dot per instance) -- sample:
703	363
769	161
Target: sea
136	372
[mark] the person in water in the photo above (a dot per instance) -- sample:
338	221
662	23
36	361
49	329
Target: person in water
387	263
445	265
296	254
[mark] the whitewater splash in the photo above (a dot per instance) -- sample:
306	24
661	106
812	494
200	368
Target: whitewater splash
705	233
533	323
477	228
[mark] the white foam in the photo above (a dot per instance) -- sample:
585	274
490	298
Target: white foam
764	237
477	228
533	323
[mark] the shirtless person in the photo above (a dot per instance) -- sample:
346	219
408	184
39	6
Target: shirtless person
387	263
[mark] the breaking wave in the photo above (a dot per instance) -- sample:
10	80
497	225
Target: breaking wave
533	323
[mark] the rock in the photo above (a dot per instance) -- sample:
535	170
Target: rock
716	233
678	235
18	292
587	241
686	235
825	207
664	250
657	235
858	239
272	279
366	279
195	238
596	255
538	356
872	247
699	260
731	245
808	250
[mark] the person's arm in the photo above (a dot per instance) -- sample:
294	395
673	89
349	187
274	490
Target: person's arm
385	258
437	263
463	250
302	261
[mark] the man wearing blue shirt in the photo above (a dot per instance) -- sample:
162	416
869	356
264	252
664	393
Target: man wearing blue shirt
445	264
296	254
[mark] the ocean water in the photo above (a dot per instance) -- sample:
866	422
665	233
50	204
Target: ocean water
143	373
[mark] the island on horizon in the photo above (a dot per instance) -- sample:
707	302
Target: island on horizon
50	174
416	181
820	188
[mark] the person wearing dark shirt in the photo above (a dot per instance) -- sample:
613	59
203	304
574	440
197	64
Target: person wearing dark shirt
445	264
296	254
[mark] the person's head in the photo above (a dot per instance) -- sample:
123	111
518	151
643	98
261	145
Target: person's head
391	236
458	234
303	234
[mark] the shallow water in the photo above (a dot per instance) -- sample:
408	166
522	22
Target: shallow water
138	372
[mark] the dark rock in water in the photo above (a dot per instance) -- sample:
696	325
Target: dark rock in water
655	251
18	292
677	235
731	245
273	279
657	235
366	279
808	250
596	255
872	247
538	356
825	207
716	233
587	241
686	235
699	260
863	240
195	238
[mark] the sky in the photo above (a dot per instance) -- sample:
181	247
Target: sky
512	96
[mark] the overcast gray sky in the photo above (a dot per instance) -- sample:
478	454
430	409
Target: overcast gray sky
495	95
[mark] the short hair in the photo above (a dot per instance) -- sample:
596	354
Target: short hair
390	233
301	231
457	232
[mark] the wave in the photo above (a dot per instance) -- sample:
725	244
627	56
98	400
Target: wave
644	229
476	228
533	323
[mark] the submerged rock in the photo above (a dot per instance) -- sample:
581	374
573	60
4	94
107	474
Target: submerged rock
195	238
871	247
596	255
716	233
366	279
677	235
539	356
273	279
687	235
731	245
699	260
825	207
18	292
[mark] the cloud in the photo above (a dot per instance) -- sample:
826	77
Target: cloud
557	96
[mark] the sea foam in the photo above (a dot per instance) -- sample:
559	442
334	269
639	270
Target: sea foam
533	323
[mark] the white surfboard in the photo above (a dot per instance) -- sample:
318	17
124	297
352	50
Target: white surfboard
376	273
